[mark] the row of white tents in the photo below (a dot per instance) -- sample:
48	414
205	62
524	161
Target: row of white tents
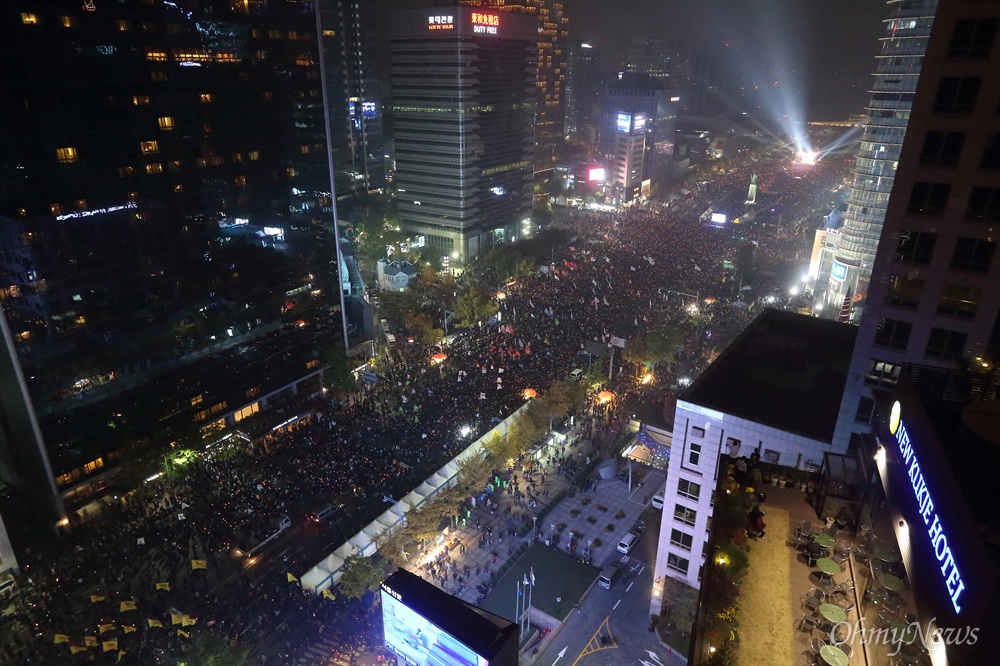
327	573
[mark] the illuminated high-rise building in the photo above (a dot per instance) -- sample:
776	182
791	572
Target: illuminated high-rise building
584	88
551	81
898	67
463	101
933	300
655	57
164	212
355	104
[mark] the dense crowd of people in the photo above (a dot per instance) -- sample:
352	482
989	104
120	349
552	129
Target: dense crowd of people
623	275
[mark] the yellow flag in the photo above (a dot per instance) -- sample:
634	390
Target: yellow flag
176	619
110	645
199	564
90	641
163	586
154	623
126	606
291	578
76	648
121	653
94	598
181	632
61	638
128	629
188	621
101	628
327	594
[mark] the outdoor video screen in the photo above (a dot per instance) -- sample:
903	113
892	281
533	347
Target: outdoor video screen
420	643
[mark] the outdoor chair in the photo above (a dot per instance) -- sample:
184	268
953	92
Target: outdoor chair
807	623
813	598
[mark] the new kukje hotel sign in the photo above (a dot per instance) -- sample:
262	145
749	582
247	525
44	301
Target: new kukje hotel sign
925	503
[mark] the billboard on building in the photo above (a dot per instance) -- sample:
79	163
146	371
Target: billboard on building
596	173
839	271
638	124
416	640
623	123
718	218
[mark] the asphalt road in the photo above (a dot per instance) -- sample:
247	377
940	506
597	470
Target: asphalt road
620	614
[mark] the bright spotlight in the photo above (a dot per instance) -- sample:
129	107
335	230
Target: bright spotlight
807	156
794	291
464	430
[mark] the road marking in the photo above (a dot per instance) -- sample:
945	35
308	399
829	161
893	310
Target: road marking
630	586
625	559
616	604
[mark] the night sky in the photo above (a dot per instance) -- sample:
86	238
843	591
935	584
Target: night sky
821	51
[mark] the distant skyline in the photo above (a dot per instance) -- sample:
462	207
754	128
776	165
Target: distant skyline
823	50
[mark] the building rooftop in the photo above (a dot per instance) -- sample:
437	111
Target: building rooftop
479	629
400	266
786	370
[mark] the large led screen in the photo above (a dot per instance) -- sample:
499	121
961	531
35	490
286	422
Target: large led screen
718	218
623	122
420	643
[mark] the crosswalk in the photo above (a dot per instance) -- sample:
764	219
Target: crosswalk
321	653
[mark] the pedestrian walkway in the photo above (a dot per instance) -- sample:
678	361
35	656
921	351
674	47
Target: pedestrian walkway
587	524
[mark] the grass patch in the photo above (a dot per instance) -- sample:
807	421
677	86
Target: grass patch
765	599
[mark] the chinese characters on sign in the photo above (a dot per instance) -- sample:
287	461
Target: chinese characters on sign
485	23
443	22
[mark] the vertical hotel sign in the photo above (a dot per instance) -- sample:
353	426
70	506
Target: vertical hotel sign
925	503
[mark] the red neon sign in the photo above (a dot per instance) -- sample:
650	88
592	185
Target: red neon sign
485	19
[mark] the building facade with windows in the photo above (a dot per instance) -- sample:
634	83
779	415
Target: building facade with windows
635	93
463	90
899	61
162	192
775	390
934	300
584	87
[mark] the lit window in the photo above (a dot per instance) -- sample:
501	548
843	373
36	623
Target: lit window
166	122
178	189
29	19
304	150
240	180
254	155
196	400
140	100
290	172
684	514
67	21
126	171
80	204
156	56
267	95
155	167
149	147
66	155
56	208
688	489
206	97
122	25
